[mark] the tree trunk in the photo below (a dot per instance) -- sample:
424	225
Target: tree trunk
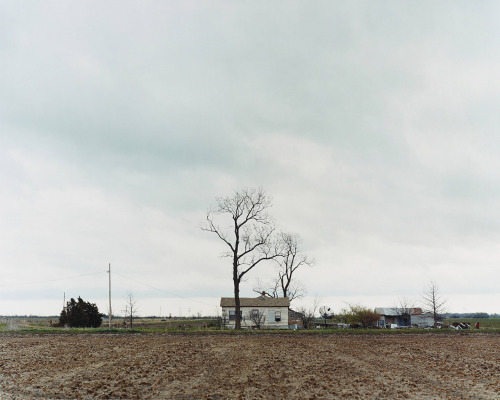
237	317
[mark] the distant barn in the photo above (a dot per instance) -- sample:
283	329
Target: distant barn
390	317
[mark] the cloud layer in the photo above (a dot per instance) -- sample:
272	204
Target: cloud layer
372	126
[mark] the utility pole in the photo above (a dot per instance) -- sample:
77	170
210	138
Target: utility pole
64	301
109	286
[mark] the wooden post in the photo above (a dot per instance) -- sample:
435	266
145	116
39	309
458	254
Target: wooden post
109	286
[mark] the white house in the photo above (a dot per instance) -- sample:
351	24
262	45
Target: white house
271	312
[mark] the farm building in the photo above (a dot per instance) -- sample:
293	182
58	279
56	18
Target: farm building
295	319
422	319
390	317
264	311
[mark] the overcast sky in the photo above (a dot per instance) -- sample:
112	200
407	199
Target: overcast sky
373	126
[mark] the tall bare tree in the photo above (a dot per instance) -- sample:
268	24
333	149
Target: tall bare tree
249	237
267	289
130	309
433	301
285	284
292	260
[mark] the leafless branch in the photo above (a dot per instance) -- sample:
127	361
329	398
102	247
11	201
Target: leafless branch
251	236
433	301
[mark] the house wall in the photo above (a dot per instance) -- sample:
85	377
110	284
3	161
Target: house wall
246	322
422	320
387	320
295	320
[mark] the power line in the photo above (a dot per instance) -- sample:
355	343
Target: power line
105	272
162	290
52	280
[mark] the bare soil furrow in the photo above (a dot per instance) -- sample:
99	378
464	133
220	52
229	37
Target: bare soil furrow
250	366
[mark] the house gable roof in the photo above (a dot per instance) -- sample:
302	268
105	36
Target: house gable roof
393	312
256	302
386	311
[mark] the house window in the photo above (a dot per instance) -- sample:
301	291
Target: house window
254	313
277	316
232	315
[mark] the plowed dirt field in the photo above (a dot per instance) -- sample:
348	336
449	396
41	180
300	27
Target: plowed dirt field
277	366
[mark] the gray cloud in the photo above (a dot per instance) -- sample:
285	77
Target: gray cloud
372	125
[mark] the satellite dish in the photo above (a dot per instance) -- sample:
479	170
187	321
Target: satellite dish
324	312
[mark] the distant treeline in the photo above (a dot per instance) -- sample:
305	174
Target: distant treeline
30	316
105	316
475	315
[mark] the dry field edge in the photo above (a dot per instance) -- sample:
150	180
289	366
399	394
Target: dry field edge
202	331
235	365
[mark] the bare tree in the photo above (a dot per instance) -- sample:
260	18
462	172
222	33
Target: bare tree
292	260
250	236
404	309
269	290
308	315
258	318
130	307
433	301
285	285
